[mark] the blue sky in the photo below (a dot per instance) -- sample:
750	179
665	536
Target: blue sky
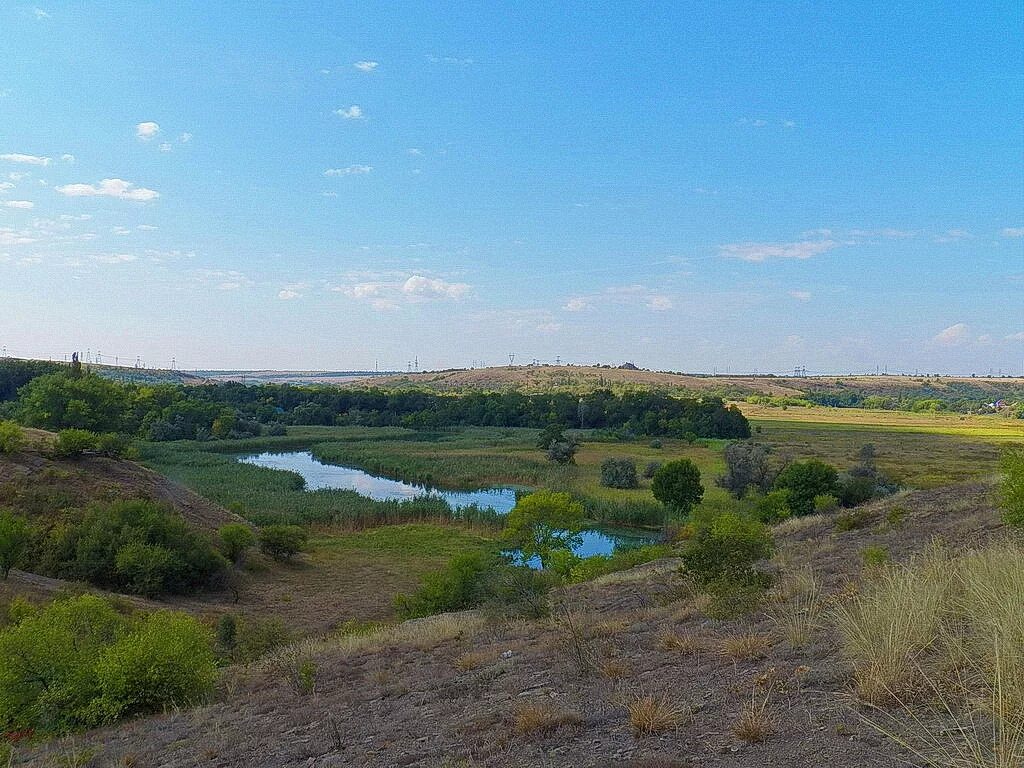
692	186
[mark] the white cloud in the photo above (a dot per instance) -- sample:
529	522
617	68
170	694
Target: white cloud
352	170
123	190
185	138
17	157
801	295
120	231
40	14
355	112
18	176
366	66
25	205
415	152
165	146
114	258
952	236
763	251
451	61
418	285
147	130
549	327
286	294
5	185
146	227
66	158
328	193
951	336
576	304
659	303
222	279
1015	336
1012	232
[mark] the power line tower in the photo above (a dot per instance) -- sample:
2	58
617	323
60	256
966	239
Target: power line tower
511	358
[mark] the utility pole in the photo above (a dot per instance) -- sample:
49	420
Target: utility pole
511	358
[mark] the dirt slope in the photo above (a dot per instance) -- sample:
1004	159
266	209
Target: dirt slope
456	690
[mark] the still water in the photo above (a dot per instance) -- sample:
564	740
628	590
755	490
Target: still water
319	476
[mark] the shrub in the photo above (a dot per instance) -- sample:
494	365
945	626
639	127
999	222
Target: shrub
111	444
874	557
655	444
1011	489
746	468
619	473
805	480
651	468
587	568
256	637
277	429
552	433
14	539
12	437
773	507
677	485
235	540
542	522
513	591
852	520
563	452
227	632
138	546
72	443
825	503
79	663
727	550
282	542
458	586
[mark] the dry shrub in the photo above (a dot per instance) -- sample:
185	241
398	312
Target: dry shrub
755	722
796	607
684	644
654	714
539	718
746	647
608	627
614	669
473	660
574	644
890	624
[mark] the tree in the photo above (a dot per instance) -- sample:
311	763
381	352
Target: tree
58	401
727	548
677	485
552	433
746	467
235	540
282	542
543	522
563	453
619	473
806	479
12	437
14	538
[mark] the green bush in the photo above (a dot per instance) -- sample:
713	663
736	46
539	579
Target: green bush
456	587
805	480
727	549
1011	489
256	637
852	520
12	437
72	443
283	542
511	591
235	540
14	539
588	568
773	507
874	557
112	444
136	546
651	468
825	503
677	485
619	473
655	444
79	663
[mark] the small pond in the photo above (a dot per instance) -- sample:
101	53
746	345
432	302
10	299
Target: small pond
320	476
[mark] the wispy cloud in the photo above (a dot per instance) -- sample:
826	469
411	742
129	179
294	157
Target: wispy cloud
17	157
286	294
366	66
756	252
354	112
222	279
391	291
952	336
6	185
1015	336
1012	232
577	304
351	170
451	61
801	295
952	236
118	188
147	130
25	205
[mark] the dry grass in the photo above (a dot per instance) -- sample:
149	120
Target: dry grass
654	714
614	669
796	607
686	644
473	660
746	647
755	722
540	718
573	642
888	626
796	524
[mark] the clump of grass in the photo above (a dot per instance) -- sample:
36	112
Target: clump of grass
891	623
654	714
686	644
614	669
874	557
796	607
755	722
542	718
473	660
747	647
574	643
853	520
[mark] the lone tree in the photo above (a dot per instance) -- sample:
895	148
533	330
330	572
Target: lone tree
236	539
806	479
619	473
677	485
14	536
746	467
543	522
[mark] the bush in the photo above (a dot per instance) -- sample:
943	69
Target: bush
255	638
655	444
14	539
136	546
79	663
773	507
12	437
456	587
651	468
1011	489
563	452
517	591
727	549
677	485
552	433
111	444
277	429
805	480
619	473
746	468
588	568
852	520
72	443
235	540
282	542
825	503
